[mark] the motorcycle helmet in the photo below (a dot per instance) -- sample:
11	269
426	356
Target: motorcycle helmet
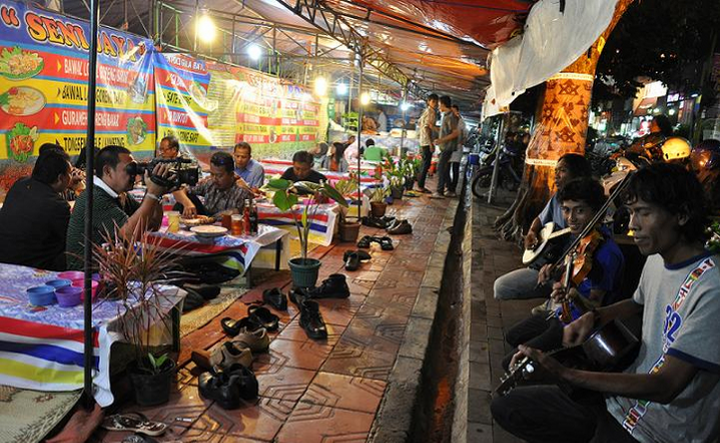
706	155
675	148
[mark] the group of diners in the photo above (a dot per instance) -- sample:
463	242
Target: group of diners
39	227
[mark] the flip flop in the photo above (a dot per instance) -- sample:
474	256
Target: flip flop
386	243
133	422
364	242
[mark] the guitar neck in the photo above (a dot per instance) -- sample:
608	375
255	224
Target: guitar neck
559	233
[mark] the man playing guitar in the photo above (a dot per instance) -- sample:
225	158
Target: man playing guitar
671	392
521	283
580	199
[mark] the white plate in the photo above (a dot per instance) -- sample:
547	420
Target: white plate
35	102
209	231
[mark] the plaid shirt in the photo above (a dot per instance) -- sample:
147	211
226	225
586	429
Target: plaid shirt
219	200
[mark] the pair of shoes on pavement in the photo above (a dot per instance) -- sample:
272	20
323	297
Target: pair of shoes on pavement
224	356
275	298
228	386
352	259
311	320
384	242
377	222
399	227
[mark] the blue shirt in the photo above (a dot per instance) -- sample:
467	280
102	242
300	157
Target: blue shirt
553	213
606	273
253	174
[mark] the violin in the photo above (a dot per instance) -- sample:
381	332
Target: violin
578	265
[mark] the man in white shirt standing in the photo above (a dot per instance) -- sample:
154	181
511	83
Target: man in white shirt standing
426	126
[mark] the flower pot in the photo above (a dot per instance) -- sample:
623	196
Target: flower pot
409	182
349	232
152	389
304	272
396	192
378	208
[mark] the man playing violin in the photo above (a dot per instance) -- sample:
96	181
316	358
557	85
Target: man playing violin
597	271
521	283
671	391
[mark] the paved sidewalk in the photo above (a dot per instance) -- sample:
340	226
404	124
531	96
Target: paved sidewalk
492	257
313	391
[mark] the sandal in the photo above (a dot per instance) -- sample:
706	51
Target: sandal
386	243
133	422
263	317
364	242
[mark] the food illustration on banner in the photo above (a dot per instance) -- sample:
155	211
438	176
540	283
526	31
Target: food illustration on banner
136	130
198	92
18	64
138	89
21	141
22	101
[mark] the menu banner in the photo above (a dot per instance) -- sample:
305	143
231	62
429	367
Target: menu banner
43	85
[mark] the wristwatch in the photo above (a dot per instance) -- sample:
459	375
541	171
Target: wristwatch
153	196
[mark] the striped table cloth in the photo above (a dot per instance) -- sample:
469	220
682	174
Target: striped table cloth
234	252
322	223
41	348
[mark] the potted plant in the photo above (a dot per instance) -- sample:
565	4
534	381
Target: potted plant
411	167
304	270
133	275
395	173
378	206
348	231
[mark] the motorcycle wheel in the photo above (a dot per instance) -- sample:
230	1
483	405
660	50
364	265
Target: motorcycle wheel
481	182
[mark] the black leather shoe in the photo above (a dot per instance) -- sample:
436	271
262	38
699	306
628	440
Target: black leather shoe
297	295
311	320
401	228
234	327
335	286
275	298
374	222
217	386
352	259
387	219
244	379
263	318
365	242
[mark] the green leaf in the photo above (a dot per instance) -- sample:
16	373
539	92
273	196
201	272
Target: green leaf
279	184
333	193
308	186
283	201
153	363
304	218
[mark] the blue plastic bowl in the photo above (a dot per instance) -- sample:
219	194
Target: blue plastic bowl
41	295
69	296
59	283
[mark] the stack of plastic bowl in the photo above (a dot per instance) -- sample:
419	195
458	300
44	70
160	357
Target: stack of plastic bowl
41	295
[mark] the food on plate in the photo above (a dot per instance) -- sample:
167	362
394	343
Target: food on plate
18	64
22	101
197	220
21	140
209	231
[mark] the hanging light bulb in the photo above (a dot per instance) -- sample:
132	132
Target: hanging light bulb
205	29
364	99
405	106
321	86
342	89
254	51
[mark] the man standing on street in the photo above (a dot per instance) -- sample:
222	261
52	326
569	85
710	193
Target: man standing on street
426	126
447	142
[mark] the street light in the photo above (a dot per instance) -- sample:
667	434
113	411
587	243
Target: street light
405	106
321	86
342	89
205	29
364	99
254	51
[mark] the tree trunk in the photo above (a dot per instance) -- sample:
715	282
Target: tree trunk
562	128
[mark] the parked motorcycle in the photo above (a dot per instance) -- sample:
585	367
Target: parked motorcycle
509	175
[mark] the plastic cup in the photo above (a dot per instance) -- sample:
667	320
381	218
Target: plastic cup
58	283
80	283
69	296
173	221
237	224
41	295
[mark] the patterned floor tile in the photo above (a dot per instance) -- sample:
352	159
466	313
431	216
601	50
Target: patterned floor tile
285	383
342	391
259	420
357	359
320	424
306	355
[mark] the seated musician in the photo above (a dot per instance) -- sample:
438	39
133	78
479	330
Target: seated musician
223	195
580	199
521	283
670	391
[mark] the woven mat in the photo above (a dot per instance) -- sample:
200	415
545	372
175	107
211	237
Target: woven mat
197	318
27	416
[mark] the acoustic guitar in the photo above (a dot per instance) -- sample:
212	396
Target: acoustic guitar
605	350
547	238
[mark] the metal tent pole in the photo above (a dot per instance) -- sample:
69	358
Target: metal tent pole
404	125
498	149
90	174
359	130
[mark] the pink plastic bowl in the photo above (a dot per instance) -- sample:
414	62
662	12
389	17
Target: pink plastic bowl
80	284
71	275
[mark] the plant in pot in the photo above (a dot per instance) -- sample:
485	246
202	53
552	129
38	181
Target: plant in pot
411	167
348	230
395	173
378	206
133	275
304	270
